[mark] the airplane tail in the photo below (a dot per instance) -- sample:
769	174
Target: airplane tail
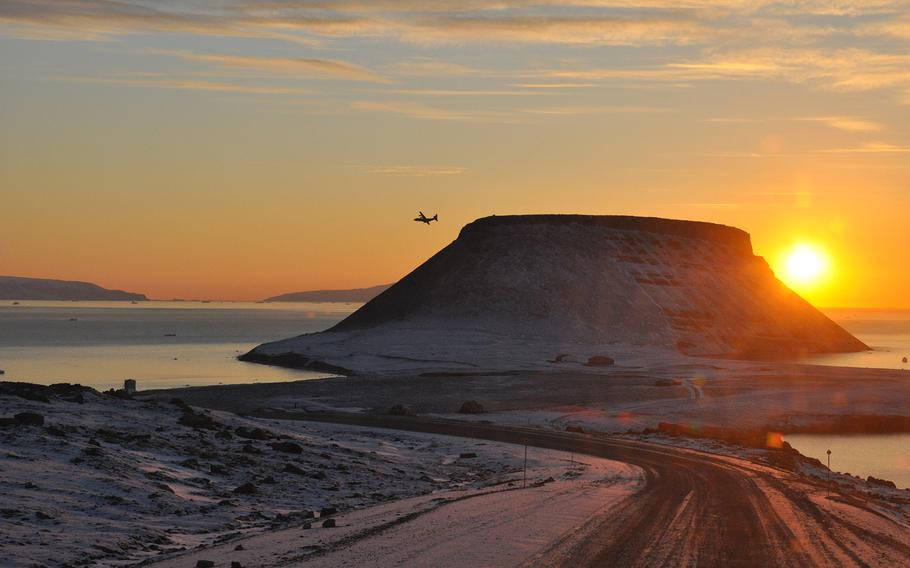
436	217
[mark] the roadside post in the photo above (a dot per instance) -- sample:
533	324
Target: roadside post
829	474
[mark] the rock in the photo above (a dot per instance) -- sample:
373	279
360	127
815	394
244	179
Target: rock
194	420
467	455
576	429
249	449
216	469
904	360
599	361
400	410
328	524
239	547
880	482
29	419
291	468
245	489
42	516
667	383
471	407
204	564
54	431
327	511
253	433
306	526
318	475
287	447
235	564
5	421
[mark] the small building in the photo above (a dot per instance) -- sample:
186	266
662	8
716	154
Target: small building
129	386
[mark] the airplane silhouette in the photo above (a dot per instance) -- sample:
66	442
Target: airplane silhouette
424	219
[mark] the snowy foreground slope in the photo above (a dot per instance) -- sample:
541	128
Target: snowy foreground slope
519	291
109	482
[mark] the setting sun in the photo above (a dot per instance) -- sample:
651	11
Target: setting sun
805	265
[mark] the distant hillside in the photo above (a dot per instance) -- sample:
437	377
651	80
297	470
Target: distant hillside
17	288
354	295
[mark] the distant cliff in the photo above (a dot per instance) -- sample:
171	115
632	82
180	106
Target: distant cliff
18	288
353	295
513	288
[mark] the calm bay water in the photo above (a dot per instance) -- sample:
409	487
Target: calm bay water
160	344
887	332
882	456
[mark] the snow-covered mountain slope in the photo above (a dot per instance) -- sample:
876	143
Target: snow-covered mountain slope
526	288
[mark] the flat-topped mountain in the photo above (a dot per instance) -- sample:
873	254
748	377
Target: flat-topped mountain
352	295
581	284
19	288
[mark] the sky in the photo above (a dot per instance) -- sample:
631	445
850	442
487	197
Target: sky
239	149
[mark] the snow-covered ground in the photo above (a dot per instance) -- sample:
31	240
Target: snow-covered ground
110	482
506	525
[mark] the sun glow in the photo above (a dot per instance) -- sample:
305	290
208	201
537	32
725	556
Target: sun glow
805	265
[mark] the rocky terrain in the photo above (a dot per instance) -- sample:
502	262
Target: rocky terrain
92	479
528	288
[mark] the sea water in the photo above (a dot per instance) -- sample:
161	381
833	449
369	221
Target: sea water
159	344
887	332
885	456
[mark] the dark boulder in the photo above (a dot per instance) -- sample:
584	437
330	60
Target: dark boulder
400	410
291	468
328	524
287	447
599	361
327	511
245	489
575	429
253	433
194	420
204	564
471	407
467	455
880	482
29	419
217	469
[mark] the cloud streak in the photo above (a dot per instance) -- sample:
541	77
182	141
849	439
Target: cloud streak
299	67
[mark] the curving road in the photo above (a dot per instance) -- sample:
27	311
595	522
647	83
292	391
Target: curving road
694	509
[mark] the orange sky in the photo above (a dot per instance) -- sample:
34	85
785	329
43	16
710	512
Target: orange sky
253	153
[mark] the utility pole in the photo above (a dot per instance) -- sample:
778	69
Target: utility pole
524	475
829	473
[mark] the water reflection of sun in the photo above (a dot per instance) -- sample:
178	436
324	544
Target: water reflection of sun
804	266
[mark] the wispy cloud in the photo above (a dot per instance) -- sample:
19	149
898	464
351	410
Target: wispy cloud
415	171
847	123
429	112
184	84
298	66
590	110
870	148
